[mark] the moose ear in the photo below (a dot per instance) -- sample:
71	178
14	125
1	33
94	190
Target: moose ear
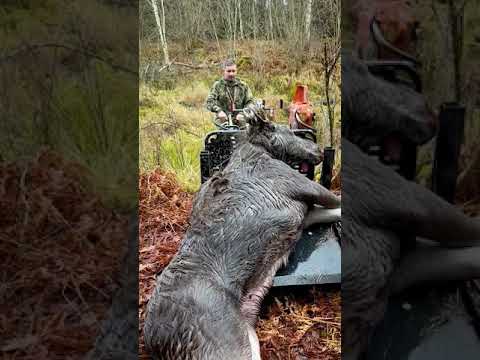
256	117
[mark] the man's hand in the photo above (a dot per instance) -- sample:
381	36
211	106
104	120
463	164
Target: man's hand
240	117
221	115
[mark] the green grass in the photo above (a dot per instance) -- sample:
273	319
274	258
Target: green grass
103	138
172	126
173	121
78	106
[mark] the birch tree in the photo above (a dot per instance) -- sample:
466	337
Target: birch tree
308	22
242	35
270	19
161	28
254	17
331	55
456	14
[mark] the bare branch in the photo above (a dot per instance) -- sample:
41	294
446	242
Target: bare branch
167	123
29	48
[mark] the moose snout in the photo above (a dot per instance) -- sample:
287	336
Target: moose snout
426	127
317	155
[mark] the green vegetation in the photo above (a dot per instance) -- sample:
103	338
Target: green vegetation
172	126
173	120
440	81
72	88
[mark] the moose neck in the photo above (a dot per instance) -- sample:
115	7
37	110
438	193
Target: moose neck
248	153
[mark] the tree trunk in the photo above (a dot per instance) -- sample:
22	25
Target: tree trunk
270	18
308	22
242	35
161	28
254	17
327	74
229	15
215	33
234	30
456	27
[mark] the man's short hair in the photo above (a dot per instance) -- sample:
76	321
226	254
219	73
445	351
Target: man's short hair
228	62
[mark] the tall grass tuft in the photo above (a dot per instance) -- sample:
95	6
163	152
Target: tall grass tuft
173	124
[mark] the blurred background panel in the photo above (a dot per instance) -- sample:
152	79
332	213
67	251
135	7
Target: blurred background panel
426	53
69	178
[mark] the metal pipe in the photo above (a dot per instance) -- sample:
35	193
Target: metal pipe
447	150
327	166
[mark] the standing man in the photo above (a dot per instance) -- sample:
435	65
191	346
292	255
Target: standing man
228	94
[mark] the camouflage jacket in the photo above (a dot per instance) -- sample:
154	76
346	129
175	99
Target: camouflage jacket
223	92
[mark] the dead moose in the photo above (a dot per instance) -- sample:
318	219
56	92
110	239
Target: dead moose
245	221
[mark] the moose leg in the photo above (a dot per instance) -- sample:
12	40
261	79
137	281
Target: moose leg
254	343
442	222
425	214
311	192
320	215
281	230
436	264
457	255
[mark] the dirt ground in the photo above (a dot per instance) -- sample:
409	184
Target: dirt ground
60	250
299	326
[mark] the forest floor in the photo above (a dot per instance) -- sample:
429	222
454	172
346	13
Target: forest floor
61	252
300	325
